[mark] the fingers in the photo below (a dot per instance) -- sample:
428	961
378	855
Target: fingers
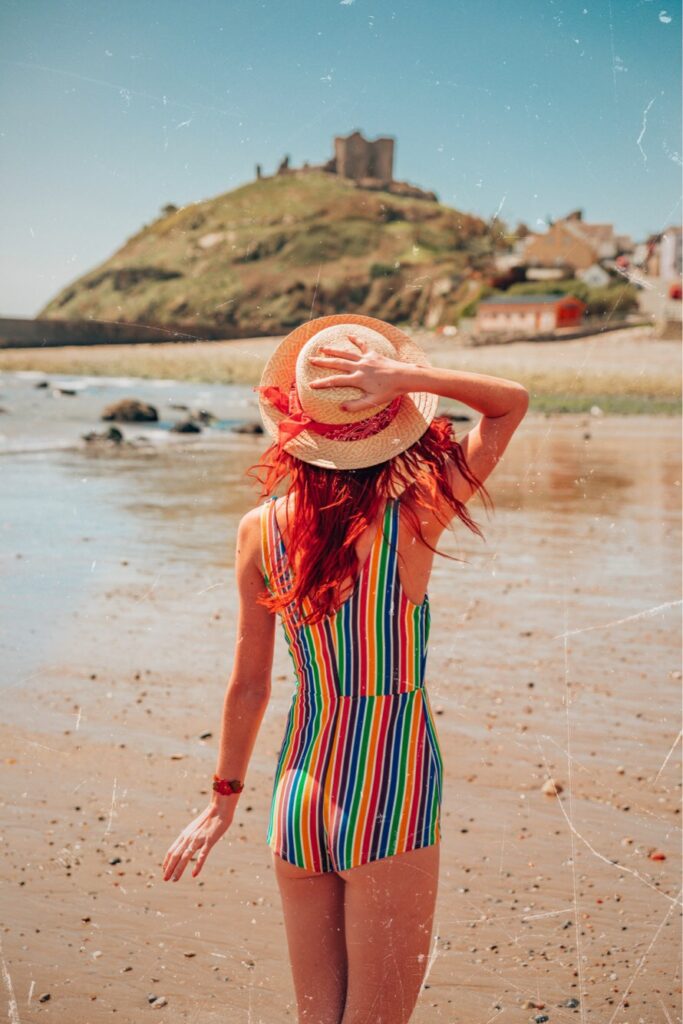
178	859
203	854
200	845
176	848
339	380
334	364
176	869
171	855
171	862
361	345
341	353
358	404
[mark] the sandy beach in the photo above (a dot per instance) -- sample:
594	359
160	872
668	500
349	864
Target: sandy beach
554	653
631	370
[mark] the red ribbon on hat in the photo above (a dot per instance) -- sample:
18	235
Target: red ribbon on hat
297	419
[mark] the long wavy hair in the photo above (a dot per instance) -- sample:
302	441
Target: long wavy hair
333	507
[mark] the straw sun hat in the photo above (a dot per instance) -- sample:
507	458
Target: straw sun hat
309	422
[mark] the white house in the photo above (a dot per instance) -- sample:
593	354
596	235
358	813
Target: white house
594	276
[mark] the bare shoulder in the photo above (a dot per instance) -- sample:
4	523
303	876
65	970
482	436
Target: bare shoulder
249	525
255	622
248	542
250	522
430	526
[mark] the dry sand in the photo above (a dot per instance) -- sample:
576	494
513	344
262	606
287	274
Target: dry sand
555	652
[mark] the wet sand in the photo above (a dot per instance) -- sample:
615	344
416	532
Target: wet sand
554	652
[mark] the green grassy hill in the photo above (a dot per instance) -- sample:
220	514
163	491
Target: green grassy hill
262	257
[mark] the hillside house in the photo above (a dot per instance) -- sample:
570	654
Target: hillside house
528	314
572	244
562	245
664	254
671	254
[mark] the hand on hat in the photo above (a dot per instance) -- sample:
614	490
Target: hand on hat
378	376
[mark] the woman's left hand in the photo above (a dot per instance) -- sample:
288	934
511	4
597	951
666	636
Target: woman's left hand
201	835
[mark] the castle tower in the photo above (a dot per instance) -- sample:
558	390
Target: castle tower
356	157
382	159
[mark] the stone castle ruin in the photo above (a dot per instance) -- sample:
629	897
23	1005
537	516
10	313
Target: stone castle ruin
358	158
369	164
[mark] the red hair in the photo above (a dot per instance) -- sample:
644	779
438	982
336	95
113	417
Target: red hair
333	507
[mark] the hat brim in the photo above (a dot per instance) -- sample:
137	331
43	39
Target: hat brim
416	411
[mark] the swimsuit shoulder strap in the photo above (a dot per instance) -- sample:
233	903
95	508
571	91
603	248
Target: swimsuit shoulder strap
269	542
380	562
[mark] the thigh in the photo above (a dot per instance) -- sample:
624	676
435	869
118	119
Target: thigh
313	907
389	912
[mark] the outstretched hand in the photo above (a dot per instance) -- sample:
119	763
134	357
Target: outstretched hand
380	377
200	836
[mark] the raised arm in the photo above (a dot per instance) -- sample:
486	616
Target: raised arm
502	403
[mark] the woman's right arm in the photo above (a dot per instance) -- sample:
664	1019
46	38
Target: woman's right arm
244	703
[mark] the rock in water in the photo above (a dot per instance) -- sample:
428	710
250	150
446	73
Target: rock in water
202	416
113	434
247	428
130	410
186	427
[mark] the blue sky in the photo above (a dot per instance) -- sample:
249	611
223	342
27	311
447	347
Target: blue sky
529	109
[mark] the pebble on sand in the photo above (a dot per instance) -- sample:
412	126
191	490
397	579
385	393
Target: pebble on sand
551	787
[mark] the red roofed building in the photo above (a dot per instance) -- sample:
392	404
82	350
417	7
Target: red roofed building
528	314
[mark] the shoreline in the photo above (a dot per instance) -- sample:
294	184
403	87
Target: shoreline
624	372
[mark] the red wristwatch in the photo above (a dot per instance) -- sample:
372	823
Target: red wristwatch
227	786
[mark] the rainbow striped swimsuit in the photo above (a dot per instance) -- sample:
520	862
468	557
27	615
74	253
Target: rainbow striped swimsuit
359	772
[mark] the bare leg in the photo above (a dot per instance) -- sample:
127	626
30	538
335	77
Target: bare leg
313	906
389	911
